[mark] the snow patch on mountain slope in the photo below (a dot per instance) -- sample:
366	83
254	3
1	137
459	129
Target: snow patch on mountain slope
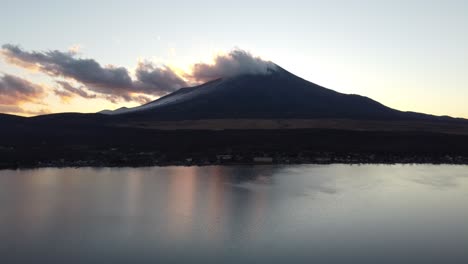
177	97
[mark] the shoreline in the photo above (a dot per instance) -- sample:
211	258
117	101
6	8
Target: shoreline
345	160
141	148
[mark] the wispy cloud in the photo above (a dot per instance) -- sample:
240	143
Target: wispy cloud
14	109
68	91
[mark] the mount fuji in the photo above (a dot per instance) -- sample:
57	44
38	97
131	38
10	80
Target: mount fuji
277	94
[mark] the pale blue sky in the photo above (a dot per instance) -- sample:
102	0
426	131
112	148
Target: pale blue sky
410	55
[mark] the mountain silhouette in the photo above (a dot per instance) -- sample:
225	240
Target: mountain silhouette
276	95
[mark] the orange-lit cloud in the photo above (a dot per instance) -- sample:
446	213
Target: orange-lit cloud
15	91
111	82
149	75
86	78
14	109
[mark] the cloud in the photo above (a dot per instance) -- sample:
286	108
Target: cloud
15	109
68	91
149	75
142	99
236	62
15	91
75	49
10	109
113	82
63	64
42	111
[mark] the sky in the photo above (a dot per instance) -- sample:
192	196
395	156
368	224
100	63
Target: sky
86	56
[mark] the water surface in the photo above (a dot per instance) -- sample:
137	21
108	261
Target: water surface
238	214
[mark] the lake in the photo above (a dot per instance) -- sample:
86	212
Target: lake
236	214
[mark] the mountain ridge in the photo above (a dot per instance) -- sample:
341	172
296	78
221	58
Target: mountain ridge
278	94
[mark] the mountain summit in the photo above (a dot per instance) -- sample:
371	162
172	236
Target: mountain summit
274	94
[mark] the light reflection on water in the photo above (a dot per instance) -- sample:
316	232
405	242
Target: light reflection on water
269	214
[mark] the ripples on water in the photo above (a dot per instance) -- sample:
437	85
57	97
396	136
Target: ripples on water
256	214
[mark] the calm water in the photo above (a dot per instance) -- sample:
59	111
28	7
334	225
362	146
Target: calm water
254	214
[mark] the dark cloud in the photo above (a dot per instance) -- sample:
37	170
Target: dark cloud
112	82
149	76
115	83
57	63
236	62
68	91
65	96
15	90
